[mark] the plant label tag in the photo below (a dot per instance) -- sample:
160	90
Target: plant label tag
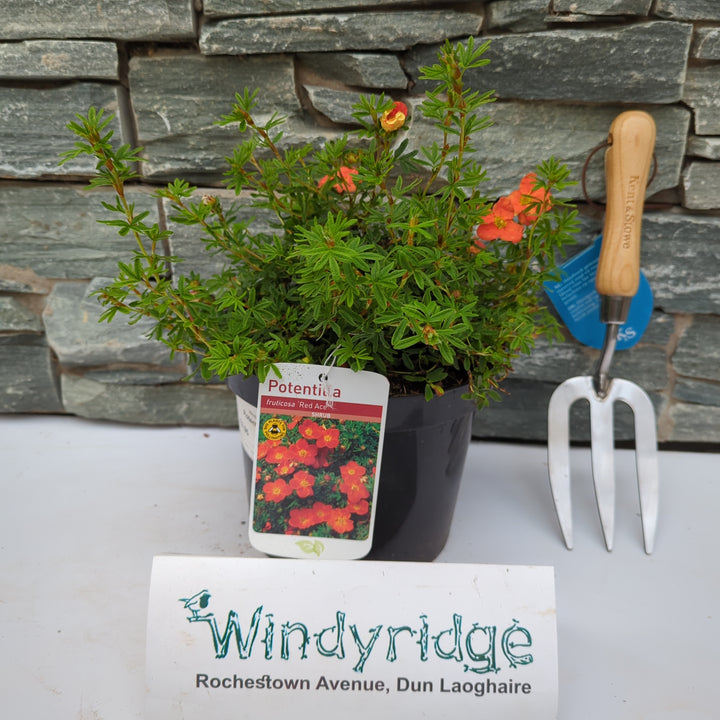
578	302
317	464
261	639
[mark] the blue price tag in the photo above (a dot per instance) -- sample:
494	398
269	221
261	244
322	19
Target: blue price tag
578	302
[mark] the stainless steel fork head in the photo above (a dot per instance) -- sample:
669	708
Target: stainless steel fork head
602	445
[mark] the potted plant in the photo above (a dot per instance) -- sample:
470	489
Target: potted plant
385	257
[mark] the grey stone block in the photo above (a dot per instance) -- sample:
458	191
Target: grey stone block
344	31
582	65
645	366
660	329
135	377
15	317
176	119
337	105
699	392
706	43
118	19
590	226
33	129
554	362
182	404
18	280
592	65
54	231
557	362
521	414
694	423
707	147
53	59
366	70
701	185
702	94
517	15
71	319
13	286
27	380
698	352
603	7
688	9
525	134
227	8
681	257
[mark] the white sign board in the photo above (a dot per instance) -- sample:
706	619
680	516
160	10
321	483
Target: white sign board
268	638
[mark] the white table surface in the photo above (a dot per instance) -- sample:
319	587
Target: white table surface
86	505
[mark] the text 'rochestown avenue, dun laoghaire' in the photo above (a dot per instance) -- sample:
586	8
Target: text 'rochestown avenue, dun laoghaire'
478	688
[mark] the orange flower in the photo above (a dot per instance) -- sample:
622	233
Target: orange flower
285	467
499	224
302	518
355	490
265	447
329	438
303	451
276	454
345	177
359	508
530	201
276	491
310	430
302	482
340	521
394	118
352	471
321	511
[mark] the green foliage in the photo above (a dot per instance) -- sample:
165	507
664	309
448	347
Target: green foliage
373	255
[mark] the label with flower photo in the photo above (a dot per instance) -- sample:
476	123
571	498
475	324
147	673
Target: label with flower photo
319	443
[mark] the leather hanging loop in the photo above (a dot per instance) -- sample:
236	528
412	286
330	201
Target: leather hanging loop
593	152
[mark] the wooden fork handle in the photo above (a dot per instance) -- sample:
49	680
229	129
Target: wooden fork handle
627	165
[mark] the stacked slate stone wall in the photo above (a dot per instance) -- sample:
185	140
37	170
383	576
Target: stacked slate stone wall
562	70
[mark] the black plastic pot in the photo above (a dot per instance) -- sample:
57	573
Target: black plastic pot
423	458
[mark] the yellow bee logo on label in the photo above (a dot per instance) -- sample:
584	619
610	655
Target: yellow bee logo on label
274	429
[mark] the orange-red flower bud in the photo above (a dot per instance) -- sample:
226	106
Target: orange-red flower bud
394	118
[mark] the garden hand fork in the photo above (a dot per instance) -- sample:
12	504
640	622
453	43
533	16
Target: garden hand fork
627	164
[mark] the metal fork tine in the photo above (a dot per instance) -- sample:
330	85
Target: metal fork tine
602	440
648	487
559	456
646	459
